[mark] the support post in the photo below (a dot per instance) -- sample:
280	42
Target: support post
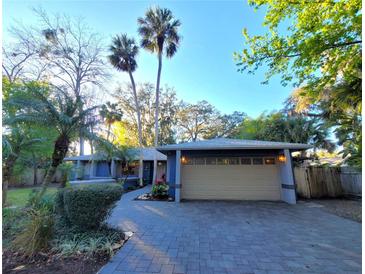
287	179
113	169
79	172
178	176
92	168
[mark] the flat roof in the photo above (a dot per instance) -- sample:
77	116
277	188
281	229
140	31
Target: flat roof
226	143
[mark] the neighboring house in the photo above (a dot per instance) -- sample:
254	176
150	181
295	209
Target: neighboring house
230	169
96	166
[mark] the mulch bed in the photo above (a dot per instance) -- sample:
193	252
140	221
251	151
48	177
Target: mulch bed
48	263
149	197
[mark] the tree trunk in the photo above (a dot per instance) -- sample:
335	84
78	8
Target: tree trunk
7	172
139	126
156	115
91	141
59	153
108	133
35	168
82	146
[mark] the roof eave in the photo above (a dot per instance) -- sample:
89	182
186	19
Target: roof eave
299	148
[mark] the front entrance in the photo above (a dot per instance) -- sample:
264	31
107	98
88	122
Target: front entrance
148	172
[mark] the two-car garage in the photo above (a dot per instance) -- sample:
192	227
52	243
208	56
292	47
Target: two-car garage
231	169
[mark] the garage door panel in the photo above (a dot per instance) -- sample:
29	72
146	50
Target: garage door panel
230	182
253	195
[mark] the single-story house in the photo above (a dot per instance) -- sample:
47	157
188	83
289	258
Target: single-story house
96	166
231	169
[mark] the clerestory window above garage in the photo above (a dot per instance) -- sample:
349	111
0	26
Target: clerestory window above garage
228	161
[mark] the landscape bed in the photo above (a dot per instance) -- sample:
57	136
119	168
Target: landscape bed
150	197
74	245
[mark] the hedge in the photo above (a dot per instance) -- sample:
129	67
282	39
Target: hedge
88	206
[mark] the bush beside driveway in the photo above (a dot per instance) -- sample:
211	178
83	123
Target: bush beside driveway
233	237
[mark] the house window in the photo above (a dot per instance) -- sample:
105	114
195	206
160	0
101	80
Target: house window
270	161
246	161
199	161
257	161
222	161
211	161
234	161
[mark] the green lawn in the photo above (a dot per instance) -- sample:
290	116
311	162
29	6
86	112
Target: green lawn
18	197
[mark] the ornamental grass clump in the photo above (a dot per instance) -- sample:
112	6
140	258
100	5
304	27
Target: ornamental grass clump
37	231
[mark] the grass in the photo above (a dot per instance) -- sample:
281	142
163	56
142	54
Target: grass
18	197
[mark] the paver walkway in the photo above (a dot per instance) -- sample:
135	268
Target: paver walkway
233	237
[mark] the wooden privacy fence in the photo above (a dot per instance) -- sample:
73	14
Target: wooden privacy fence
320	182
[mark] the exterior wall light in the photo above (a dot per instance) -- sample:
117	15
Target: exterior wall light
281	158
184	160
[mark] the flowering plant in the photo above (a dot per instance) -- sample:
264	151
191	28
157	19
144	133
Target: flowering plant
160	189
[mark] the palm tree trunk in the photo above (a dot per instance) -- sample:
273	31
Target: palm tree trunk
82	150
139	126
59	153
108	133
156	114
35	168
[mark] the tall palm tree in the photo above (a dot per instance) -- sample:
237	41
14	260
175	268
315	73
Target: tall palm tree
58	110
123	57
159	32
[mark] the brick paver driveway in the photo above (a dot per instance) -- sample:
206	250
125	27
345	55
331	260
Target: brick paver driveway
233	237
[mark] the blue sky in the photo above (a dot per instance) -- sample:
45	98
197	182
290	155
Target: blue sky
203	68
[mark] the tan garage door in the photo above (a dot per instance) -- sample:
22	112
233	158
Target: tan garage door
230	181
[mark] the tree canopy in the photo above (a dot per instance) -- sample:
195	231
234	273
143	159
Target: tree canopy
311	43
281	127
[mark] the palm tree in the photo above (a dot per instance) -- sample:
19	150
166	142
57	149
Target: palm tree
159	32
14	141
123	57
111	114
58	110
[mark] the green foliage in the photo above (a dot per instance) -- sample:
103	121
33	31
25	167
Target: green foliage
19	197
91	243
203	121
37	231
126	132
160	190
311	42
87	207
317	45
281	127
159	31
124	51
45	202
130	188
339	109
13	221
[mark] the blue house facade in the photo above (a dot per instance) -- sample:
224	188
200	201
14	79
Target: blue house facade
97	167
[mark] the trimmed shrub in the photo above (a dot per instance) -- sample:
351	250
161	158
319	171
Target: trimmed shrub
87	207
